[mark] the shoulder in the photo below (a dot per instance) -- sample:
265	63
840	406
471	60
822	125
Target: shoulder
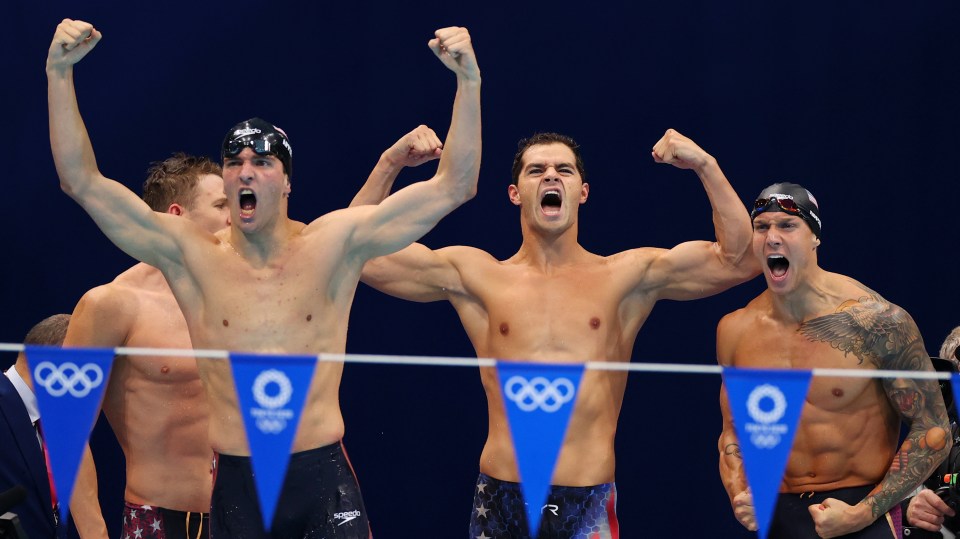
113	298
735	325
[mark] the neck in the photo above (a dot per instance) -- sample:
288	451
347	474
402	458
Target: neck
24	370
808	300
263	243
546	248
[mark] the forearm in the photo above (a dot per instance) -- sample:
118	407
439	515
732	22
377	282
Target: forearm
731	221
731	466
85	504
914	462
379	183
72	150
459	166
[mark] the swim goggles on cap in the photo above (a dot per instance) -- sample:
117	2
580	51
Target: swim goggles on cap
261	146
784	202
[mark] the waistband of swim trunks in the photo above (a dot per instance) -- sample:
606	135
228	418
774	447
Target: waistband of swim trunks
163	510
326	451
555	488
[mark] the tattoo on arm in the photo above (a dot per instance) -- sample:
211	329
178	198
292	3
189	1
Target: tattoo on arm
884	335
732	450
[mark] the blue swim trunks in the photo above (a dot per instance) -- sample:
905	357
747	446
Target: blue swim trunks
570	512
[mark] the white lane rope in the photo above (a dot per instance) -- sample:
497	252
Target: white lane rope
436	361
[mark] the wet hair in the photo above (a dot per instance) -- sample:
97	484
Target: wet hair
804	199
174	180
263	138
48	332
950	346
546	138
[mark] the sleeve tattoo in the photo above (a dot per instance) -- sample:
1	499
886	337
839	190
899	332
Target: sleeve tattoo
884	335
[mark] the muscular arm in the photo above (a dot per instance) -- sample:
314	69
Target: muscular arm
98	320
698	269
122	216
413	149
884	334
731	461
411	212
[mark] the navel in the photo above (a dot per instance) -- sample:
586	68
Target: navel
504	328
226	323
164	369
309	317
595	323
837	392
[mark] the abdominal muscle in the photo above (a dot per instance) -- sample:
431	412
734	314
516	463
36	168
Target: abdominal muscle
586	457
841	448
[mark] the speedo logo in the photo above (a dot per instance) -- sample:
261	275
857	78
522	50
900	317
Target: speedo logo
346	516
246	131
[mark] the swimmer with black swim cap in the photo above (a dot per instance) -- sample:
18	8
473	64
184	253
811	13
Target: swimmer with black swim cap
263	138
793	200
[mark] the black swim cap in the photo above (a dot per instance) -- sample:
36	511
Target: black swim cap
792	199
263	138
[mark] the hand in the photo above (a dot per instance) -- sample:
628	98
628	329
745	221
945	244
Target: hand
834	518
744	511
71	42
679	151
453	47
415	148
927	510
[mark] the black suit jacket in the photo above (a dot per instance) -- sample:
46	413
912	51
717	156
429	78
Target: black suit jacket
22	463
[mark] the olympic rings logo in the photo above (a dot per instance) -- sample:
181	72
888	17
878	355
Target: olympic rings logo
540	392
272	376
771	392
68	378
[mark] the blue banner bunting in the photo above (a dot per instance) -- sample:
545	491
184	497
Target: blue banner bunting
69	384
766	406
271	390
955	381
539	399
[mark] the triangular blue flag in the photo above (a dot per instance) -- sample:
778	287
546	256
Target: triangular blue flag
272	390
766	405
69	384
539	399
955	380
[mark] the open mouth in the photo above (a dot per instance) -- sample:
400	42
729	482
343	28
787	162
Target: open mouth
550	202
778	265
248	203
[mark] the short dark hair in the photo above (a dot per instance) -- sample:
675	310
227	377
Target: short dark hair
546	138
48	332
174	180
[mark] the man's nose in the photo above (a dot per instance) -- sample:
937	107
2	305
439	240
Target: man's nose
246	172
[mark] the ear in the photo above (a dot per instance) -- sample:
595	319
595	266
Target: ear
584	193
514	194
287	188
816	242
176	209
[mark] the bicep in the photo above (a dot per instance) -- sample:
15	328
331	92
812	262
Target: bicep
127	221
415	273
696	269
402	218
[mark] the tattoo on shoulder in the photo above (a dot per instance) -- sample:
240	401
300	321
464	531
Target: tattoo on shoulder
871	328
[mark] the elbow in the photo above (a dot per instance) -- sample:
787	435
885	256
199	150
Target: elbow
469	193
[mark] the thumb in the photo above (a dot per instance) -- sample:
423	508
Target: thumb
434	45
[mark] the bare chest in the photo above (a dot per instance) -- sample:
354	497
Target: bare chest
284	306
573	316
786	348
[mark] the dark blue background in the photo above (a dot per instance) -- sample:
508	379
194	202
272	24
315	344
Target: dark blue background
855	100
